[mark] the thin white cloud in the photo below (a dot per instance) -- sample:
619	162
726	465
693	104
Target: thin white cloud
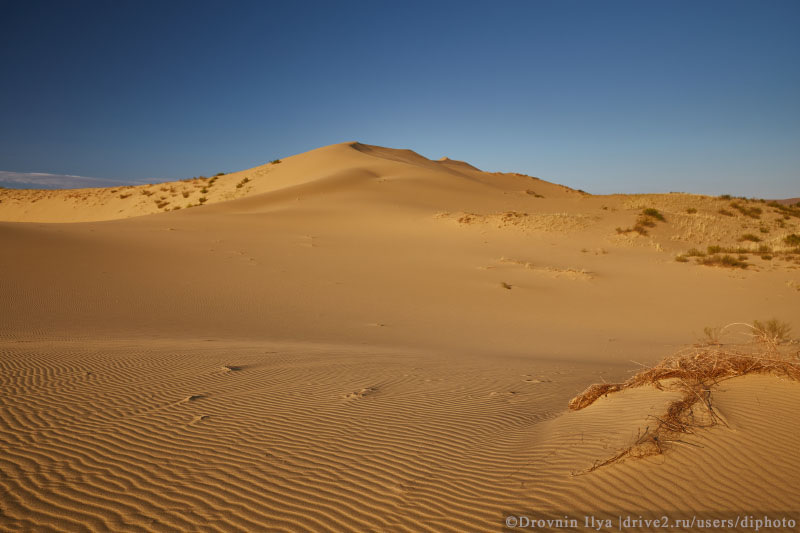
41	180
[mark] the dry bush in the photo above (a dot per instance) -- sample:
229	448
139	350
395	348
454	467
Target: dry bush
694	372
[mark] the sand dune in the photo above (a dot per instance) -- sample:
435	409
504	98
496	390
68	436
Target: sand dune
359	338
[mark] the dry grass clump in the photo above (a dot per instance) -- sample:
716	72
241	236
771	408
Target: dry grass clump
787	211
647	219
749	237
727	261
694	372
752	212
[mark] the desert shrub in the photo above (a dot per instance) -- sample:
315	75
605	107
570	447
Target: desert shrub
123	196
653	213
792	240
276	161
725	212
749	237
712	334
726	261
219	174
772	331
186	194
203	200
766	257
681	259
714	249
691	210
694	252
725	197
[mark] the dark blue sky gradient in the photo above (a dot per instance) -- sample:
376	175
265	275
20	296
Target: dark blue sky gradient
603	96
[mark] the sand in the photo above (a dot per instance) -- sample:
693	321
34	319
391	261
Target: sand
359	338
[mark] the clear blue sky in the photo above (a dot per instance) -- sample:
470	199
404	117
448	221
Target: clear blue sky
604	96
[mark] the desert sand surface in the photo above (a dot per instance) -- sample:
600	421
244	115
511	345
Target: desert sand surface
358	338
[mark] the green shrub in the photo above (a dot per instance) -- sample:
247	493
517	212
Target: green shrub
654	213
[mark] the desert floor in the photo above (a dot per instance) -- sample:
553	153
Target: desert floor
361	339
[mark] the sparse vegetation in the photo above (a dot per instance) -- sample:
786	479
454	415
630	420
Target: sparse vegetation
146	192
203	200
242	183
276	161
185	194
534	193
752	212
653	213
123	196
749	237
727	261
691	210
647	219
792	240
725	212
725	197
682	259
787	211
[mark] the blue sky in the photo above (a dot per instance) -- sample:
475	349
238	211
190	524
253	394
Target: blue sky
603	96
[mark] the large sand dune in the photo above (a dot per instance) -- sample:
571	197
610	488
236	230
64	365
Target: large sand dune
359	338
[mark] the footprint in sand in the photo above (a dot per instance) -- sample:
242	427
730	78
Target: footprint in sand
363	393
198	419
192	398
